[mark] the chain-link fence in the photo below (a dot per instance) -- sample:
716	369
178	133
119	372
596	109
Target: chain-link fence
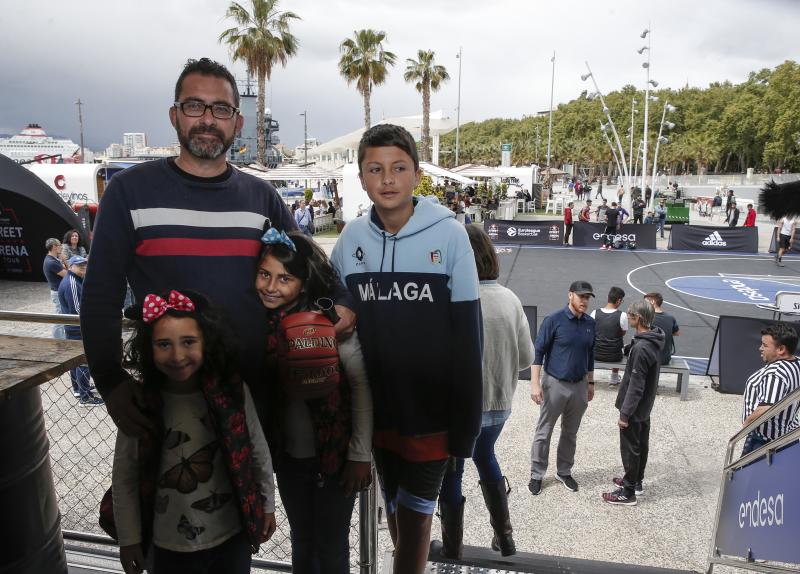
82	442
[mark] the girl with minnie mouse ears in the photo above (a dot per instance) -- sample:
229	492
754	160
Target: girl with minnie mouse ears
198	495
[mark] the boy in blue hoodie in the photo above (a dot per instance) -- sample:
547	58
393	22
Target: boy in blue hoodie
410	267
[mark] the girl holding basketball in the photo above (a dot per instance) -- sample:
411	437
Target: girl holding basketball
200	486
321	404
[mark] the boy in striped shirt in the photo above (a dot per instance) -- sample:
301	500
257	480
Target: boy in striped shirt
770	384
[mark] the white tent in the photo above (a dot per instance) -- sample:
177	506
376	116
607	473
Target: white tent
479	171
289	172
436	171
438	124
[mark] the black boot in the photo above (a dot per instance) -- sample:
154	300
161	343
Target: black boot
495	494
451	517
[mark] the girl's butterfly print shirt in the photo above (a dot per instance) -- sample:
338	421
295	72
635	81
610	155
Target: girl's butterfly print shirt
195	509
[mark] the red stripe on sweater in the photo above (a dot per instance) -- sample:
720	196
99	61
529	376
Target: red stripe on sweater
413	448
198	247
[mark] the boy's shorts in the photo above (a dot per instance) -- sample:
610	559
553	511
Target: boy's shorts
414	485
784	240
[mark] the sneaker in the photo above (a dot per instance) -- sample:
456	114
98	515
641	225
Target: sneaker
568	482
602	248
535	486
91	401
780	263
615	380
76	393
618	497
619	483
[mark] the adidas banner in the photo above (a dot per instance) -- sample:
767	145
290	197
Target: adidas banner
525	232
591	235
709	238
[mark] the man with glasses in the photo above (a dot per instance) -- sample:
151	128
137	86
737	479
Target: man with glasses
189	222
565	352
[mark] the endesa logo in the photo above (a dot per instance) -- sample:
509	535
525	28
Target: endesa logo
617	237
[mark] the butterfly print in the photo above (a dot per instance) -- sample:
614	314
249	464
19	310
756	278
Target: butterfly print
188	530
213	502
174	438
185	475
161	504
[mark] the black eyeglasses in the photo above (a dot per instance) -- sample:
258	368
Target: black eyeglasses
195	109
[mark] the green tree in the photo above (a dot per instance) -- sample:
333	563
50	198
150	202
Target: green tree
428	76
261	39
365	62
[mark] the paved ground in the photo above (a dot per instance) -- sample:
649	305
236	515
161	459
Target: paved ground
670	527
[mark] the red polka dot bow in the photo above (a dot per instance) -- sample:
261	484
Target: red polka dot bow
154	306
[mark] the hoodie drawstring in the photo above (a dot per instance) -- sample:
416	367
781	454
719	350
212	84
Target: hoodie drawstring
383	251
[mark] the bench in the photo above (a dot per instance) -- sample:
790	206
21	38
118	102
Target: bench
675	366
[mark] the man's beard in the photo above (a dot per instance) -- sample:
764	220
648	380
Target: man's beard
204	148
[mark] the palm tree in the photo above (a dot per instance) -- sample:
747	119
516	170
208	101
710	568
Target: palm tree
260	39
428	76
365	62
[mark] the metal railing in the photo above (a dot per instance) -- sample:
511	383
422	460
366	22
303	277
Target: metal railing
82	443
731	466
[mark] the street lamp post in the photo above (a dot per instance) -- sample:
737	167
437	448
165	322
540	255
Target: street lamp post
550	125
646	65
630	135
604	130
661	139
607	112
458	108
304	113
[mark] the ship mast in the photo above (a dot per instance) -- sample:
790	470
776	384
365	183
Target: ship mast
80	121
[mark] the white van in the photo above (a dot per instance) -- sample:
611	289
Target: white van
75	182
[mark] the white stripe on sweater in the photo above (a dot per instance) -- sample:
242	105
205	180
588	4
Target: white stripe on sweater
190	218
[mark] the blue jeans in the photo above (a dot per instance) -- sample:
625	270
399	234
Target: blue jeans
319	514
231	557
80	374
58	330
485	461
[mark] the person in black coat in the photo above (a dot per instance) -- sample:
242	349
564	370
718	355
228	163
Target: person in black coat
635	399
734	215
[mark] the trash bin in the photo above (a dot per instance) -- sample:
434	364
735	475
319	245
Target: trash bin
30	530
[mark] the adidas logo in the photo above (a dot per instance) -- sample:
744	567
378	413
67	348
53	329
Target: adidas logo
714	240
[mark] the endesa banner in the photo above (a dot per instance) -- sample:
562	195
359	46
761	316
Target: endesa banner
759	511
591	235
525	232
710	238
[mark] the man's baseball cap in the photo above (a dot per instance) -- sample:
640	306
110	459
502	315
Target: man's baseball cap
77	260
581	288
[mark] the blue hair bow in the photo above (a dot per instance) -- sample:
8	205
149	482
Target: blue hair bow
272	237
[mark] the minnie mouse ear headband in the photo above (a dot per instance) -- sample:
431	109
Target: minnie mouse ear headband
154	306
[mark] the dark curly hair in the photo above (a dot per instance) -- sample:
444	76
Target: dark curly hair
220	349
309	264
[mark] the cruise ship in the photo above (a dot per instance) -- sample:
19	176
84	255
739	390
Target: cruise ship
33	143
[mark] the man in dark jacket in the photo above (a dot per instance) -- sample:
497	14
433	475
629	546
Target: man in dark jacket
635	401
70	291
638	210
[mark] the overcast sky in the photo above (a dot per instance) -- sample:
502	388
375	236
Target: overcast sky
122	58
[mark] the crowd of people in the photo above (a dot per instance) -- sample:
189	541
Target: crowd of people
246	361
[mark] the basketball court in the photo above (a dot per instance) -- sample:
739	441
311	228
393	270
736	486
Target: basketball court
697	287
